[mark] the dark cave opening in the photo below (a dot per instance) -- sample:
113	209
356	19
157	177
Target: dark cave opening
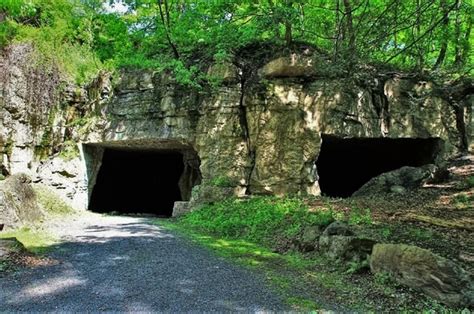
345	164
138	181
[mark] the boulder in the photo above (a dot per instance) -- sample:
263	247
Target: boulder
292	66
18	202
180	208
309	238
397	181
338	228
420	269
346	248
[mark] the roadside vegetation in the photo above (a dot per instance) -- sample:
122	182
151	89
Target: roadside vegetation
274	235
267	234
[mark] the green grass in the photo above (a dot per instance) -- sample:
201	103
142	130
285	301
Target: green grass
35	241
258	219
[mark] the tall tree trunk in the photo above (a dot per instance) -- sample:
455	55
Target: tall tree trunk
337	31
288	25
466	41
350	27
457	36
445	35
419	46
165	21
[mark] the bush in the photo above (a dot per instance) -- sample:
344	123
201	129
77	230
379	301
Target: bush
260	219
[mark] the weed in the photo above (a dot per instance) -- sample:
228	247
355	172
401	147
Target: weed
355	267
463	200
360	216
386	232
384	278
470	182
221	181
420	234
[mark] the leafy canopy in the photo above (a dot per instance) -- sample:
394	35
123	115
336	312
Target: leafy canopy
84	37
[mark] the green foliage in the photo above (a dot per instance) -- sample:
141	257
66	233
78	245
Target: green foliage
258	219
463	200
60	31
81	37
420	233
470	182
69	150
50	202
221	181
360	216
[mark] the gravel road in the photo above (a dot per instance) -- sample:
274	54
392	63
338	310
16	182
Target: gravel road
126	264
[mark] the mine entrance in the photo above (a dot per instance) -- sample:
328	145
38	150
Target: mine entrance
139	181
345	164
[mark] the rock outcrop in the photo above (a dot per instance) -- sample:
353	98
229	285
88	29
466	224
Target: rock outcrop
397	181
260	129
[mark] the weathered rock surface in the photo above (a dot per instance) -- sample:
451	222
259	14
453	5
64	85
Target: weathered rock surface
261	128
294	65
310	238
338	242
346	248
338	228
421	269
397	181
18	203
180	208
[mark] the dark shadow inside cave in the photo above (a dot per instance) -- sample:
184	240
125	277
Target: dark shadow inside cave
345	164
138	181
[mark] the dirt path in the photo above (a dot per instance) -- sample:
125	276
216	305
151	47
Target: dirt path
125	264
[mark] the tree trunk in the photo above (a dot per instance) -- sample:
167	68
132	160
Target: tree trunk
457	36
350	28
337	31
444	39
166	23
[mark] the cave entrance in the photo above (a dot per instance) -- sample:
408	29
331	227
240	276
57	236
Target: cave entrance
141	181
345	164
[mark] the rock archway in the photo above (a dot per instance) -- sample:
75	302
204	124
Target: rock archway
140	177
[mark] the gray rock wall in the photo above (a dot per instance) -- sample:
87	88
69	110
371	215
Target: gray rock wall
260	131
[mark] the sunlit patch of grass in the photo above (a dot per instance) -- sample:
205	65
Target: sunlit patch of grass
34	241
303	304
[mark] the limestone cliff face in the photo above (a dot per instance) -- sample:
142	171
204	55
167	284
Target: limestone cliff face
259	130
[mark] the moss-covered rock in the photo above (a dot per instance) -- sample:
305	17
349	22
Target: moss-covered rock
421	269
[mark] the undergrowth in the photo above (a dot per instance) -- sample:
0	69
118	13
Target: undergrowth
259	219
